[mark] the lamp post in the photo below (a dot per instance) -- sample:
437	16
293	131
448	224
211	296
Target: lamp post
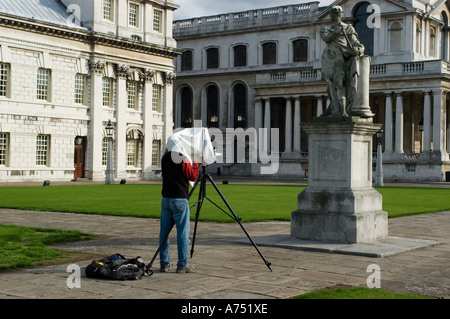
109	174
379	167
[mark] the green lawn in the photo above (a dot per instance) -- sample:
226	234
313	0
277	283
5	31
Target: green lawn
250	202
358	293
27	246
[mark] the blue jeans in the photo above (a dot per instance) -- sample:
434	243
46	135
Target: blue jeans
175	210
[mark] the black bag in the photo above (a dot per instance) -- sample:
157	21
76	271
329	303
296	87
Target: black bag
117	267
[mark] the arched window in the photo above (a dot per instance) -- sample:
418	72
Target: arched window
432	41
212	106
186	61
395	36
212	58
269	53
365	34
444	36
186	107
240	55
300	48
240	105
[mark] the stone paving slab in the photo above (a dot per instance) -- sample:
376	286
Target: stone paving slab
226	269
390	246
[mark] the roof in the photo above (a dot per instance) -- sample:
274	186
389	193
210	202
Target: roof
51	11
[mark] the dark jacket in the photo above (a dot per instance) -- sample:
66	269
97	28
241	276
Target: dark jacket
177	174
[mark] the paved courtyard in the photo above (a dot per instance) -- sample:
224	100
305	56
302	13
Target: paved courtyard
226	268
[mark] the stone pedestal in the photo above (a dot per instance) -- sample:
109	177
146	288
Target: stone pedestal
340	205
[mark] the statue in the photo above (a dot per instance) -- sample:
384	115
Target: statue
340	64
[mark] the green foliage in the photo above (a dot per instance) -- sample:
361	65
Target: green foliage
24	247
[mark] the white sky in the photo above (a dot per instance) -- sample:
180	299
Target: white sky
198	8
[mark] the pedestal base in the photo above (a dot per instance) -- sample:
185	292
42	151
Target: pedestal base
339	228
340	205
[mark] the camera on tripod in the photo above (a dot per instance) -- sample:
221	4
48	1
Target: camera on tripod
194	144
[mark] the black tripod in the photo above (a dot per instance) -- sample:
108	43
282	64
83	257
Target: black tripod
201	196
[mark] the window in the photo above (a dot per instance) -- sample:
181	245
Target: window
300	50
212	106
363	23
212	58
4	78
157	21
186	107
156	101
42	149
4	147
240	106
395	36
132	152
240	55
269	53
432	41
186	61
132	94
108	10
104	151
107	91
418	37
133	15
80	89
156	153
43	84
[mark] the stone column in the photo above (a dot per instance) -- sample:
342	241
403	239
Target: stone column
258	114
388	125
319	106
438	121
288	127
399	124
167	106
427	122
121	122
267	121
96	121
297	132
148	125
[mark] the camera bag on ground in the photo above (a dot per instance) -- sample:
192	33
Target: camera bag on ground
117	267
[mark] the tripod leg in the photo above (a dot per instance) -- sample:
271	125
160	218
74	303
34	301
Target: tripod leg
201	196
160	246
236	218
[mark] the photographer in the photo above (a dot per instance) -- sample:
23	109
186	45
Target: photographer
177	171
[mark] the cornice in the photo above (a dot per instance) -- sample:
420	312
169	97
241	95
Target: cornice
86	36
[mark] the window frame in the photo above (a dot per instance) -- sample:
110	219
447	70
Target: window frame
158	20
80	89
5	79
136	17
43	83
43	150
109	11
4	149
107	96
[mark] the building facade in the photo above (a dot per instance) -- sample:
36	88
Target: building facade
67	67
262	69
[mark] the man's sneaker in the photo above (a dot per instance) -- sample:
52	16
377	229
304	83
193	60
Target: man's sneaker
165	267
183	270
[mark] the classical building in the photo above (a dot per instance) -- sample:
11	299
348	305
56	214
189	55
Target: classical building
67	68
262	69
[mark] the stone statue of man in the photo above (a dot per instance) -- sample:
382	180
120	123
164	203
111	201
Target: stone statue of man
340	63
